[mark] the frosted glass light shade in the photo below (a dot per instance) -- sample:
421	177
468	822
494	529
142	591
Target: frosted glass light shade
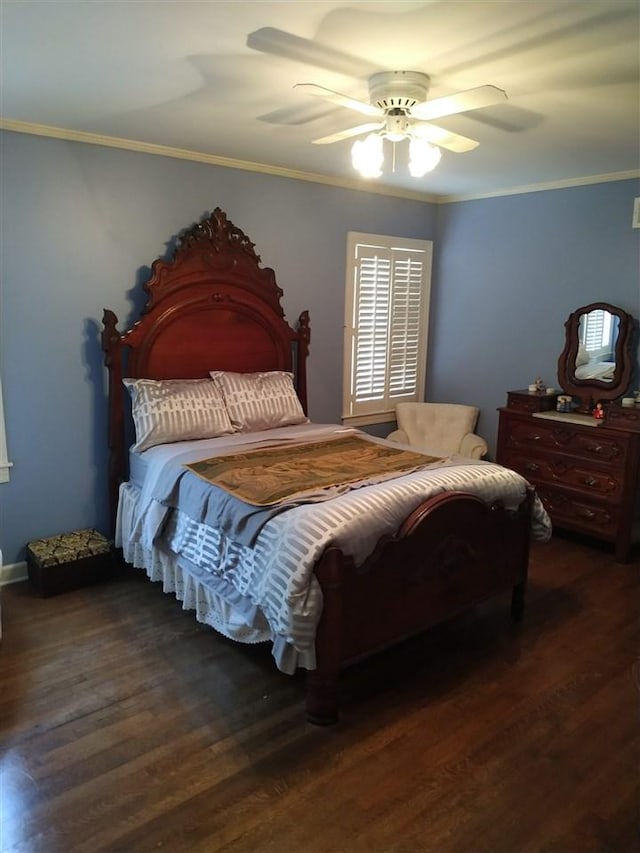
367	156
423	157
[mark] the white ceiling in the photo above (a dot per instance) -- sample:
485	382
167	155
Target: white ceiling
181	74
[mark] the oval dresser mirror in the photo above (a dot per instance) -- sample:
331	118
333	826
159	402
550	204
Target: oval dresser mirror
596	362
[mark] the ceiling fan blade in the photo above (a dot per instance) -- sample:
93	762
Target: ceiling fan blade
444	138
471	99
280	43
341	100
351	131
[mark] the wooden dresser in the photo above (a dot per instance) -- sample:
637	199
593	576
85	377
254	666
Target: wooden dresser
586	472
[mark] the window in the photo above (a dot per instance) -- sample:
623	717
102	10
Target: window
386	325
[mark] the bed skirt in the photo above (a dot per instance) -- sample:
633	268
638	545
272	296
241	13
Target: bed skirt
213	599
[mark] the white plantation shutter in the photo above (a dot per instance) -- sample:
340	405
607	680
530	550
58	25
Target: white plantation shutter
371	313
386	323
596	332
593	329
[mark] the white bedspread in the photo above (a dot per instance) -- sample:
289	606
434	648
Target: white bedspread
269	591
603	370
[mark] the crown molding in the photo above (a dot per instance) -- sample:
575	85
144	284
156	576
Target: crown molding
211	159
342	183
544	187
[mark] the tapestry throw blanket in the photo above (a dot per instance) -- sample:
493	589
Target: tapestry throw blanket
274	475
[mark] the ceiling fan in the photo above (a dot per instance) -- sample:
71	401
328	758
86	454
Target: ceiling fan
397	104
398	99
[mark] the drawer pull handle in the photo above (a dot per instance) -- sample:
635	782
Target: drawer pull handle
590	481
532	466
586	513
597	448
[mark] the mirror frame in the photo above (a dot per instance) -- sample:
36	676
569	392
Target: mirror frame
591	390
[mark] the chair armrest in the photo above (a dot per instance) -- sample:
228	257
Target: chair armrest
399	436
473	446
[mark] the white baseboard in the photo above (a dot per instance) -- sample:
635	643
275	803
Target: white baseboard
12	573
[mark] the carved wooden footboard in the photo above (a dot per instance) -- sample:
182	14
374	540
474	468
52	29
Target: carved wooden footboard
451	553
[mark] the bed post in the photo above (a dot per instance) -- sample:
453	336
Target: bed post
518	594
111	346
322	682
304	336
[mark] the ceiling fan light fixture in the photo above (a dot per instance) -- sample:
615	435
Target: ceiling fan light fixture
367	156
397	126
423	157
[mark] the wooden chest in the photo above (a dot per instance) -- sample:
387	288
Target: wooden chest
69	561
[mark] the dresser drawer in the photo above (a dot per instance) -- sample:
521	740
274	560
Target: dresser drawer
628	418
587	443
576	513
605	484
531	401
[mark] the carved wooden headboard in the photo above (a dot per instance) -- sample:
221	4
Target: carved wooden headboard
210	307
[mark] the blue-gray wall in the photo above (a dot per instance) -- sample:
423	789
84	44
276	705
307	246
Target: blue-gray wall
80	224
509	272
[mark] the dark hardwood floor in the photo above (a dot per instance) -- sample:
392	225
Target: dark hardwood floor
126	726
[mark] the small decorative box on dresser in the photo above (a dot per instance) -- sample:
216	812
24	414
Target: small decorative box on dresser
586	471
531	401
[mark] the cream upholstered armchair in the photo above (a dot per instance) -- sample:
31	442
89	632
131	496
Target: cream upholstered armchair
440	429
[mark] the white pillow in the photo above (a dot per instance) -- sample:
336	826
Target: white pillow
257	401
176	410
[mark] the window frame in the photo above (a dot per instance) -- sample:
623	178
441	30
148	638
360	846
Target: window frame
402	254
5	465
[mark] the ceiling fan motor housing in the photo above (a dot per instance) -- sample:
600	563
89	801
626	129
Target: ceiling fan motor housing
398	89
397	125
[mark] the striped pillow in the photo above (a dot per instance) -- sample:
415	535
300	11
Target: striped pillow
258	401
176	410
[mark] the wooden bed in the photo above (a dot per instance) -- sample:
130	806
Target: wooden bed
212	306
